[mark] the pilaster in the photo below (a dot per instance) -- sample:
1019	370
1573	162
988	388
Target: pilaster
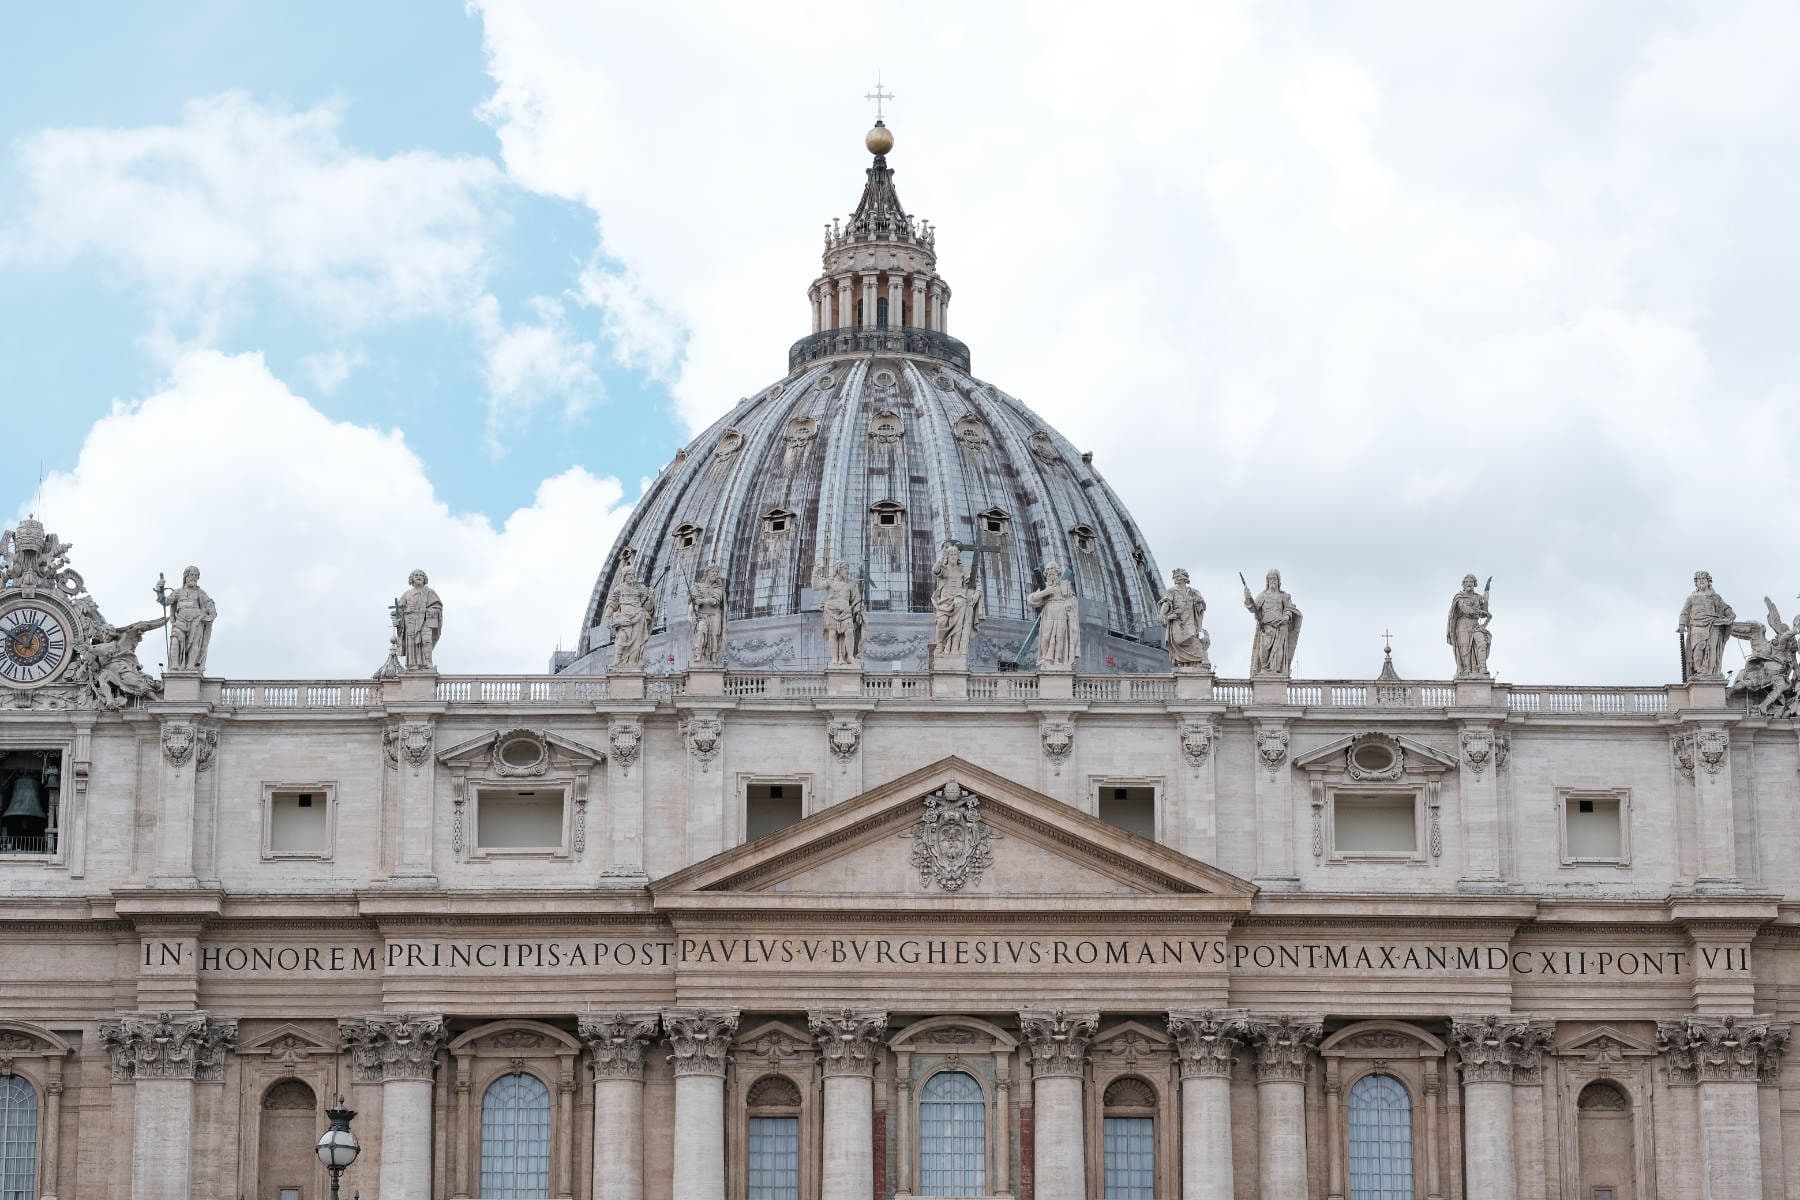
626	769
703	737
1274	775
1197	828
407	744
1727	1058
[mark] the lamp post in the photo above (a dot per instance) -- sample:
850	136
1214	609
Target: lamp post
337	1147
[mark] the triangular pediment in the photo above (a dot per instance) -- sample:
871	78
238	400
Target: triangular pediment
1415	755
953	834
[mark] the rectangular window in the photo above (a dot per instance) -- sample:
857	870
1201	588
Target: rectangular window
774	1158
1595	828
1129	806
299	820
1377	825
519	820
1130	1158
771	805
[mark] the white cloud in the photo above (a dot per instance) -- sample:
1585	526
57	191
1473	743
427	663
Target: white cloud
305	529
240	199
1371	294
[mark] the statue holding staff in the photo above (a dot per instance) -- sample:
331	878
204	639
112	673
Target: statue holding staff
1277	626
1466	629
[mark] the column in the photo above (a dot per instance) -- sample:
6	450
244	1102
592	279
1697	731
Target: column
615	1042
843	305
1057	1042
699	1041
937	306
896	302
163	1055
1284	1047
917	311
1729	1057
399	1051
1492	1049
849	1044
1205	1043
868	300
821	297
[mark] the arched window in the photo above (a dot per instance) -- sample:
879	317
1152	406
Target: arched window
515	1139
774	1128
952	1136
1381	1140
18	1139
1129	1141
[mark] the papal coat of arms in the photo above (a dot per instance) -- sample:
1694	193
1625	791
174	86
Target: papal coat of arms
950	840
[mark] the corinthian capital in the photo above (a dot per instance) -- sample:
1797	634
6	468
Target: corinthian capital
393	1045
849	1038
187	1045
1724	1049
1206	1040
1058	1040
1499	1048
616	1039
1284	1045
699	1038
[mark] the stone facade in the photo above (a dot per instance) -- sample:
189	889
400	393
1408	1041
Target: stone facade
638	937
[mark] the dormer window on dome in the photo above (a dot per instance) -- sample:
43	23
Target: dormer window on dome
995	522
1084	539
887	514
686	536
778	521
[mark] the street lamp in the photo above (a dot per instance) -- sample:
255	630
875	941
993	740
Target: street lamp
337	1146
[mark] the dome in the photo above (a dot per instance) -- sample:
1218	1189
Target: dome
876	449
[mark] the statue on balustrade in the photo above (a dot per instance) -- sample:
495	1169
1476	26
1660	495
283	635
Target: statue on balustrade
957	604
1183	611
191	615
1467	630
1770	671
843	618
114	672
630	611
706	613
1277	627
1704	625
419	620
1059	621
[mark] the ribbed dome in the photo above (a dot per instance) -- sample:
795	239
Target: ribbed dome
875	450
876	460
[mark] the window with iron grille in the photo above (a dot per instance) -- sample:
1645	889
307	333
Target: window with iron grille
952	1136
18	1139
1381	1140
515	1139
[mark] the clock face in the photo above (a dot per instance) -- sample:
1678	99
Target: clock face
34	644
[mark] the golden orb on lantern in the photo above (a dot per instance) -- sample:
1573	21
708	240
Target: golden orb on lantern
879	140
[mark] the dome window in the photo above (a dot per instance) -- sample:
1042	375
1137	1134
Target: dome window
994	522
778	521
972	433
730	442
1084	539
886	427
1044	446
887	514
687	536
800	432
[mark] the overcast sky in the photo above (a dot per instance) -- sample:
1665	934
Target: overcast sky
1378	294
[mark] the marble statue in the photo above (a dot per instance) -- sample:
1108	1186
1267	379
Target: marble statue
958	606
629	613
191	616
1059	621
1183	612
844	617
1277	627
1772	666
419	620
116	675
1704	624
706	613
1467	630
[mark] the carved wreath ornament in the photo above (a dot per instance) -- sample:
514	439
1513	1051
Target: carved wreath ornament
950	840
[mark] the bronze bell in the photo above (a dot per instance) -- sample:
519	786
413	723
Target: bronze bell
26	803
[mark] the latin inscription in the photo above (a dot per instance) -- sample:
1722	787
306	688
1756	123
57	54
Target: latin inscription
1423	959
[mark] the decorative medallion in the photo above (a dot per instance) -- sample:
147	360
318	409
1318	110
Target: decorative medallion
1711	746
409	740
1478	748
1196	742
1374	757
1272	746
626	737
1681	749
950	840
845	736
520	753
1058	734
703	734
178	744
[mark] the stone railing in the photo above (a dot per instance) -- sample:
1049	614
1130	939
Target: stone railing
891	339
753	686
